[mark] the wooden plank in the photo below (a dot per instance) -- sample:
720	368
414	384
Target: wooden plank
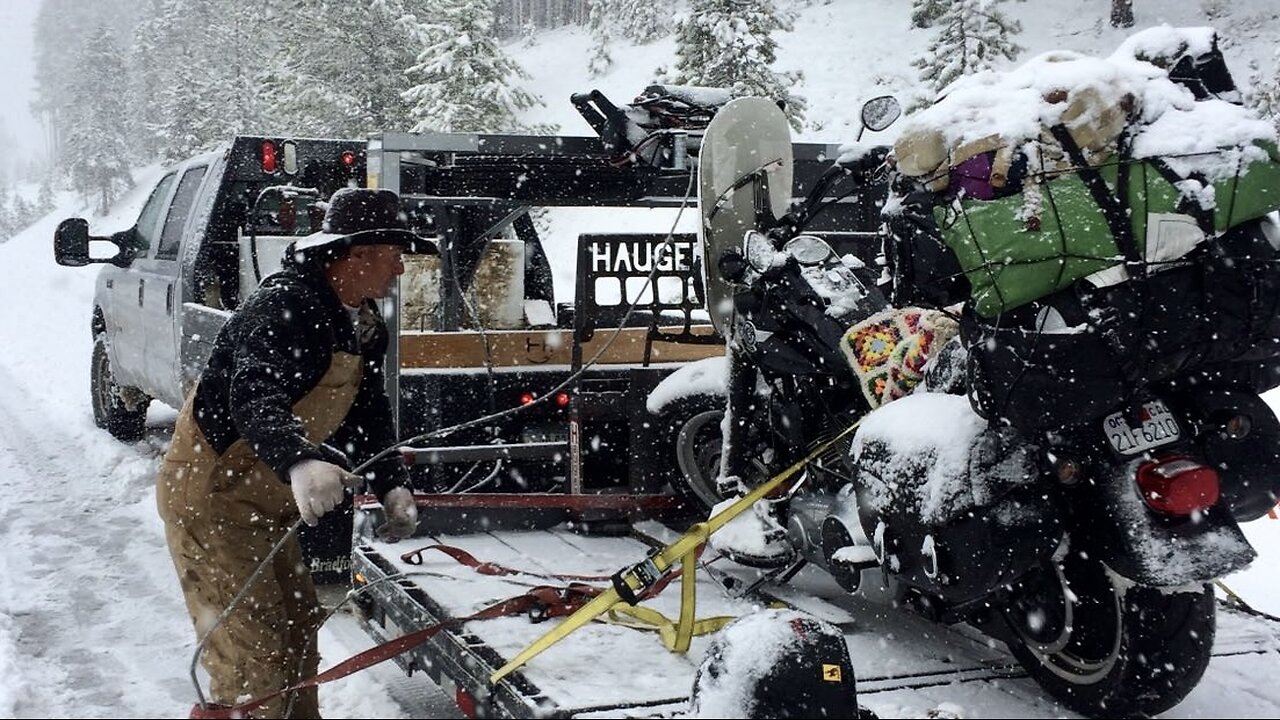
533	348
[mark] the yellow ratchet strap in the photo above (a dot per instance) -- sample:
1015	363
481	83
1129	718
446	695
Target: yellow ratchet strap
630	582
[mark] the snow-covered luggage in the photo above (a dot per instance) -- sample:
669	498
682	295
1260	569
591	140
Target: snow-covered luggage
1104	220
1073	356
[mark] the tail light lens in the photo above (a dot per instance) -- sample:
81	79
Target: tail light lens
1178	485
268	157
562	399
526	398
348	159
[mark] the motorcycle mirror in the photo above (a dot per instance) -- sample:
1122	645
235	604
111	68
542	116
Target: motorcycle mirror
758	251
880	112
808	249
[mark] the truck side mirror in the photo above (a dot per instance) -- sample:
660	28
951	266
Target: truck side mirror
71	243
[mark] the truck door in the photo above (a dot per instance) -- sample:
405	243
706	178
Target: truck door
126	329
160	295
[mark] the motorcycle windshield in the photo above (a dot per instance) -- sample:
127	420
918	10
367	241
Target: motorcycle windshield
745	175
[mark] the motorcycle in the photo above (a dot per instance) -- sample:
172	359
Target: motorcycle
1089	551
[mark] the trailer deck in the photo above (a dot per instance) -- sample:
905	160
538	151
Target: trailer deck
906	665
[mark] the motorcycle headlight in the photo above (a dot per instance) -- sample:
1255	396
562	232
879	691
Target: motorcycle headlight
808	249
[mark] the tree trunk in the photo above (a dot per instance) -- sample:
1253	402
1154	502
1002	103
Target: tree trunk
1121	13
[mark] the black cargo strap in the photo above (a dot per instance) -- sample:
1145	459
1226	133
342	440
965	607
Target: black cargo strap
1187	205
1114	206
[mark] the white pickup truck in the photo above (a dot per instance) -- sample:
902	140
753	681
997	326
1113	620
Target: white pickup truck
177	274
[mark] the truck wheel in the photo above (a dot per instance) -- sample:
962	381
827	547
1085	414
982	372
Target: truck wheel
1104	650
111	410
694	428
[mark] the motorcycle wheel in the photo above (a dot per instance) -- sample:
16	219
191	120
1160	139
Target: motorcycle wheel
1104	649
695	433
110	411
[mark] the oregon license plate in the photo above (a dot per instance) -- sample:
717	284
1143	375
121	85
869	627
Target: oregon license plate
1157	428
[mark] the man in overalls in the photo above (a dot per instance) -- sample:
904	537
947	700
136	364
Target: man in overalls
292	396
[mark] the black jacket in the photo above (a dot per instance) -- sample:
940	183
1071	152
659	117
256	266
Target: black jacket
271	353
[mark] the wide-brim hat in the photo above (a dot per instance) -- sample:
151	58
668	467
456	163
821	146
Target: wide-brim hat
362	216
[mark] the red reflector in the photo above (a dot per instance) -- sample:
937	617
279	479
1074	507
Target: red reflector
526	398
268	156
1178	486
562	399
348	158
466	702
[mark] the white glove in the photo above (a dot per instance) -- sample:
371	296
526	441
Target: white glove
317	487
402	515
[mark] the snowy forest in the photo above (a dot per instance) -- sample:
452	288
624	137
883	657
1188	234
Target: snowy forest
123	83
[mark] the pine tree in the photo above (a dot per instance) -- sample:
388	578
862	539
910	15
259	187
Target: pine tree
347	74
1121	13
148	69
1265	97
600	22
97	144
729	44
62	30
23	213
972	35
925	12
44	200
643	20
211	86
7	225
464	82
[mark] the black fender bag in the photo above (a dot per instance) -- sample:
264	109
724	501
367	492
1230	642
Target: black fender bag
777	663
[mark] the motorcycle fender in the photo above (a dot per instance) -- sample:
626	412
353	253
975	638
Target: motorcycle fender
1152	550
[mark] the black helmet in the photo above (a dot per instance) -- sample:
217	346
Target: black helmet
776	664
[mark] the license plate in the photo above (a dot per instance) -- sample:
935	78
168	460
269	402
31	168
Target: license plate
1158	428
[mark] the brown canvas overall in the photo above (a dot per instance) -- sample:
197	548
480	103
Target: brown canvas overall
223	514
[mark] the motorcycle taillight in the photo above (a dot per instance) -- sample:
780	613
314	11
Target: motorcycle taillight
1178	485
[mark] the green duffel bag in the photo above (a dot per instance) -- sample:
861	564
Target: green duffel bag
1009	265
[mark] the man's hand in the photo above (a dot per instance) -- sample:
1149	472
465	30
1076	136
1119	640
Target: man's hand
402	515
317	487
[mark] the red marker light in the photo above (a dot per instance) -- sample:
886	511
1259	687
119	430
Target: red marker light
268	157
562	399
348	158
526	398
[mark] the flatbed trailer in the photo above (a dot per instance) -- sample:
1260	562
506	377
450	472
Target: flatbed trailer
906	665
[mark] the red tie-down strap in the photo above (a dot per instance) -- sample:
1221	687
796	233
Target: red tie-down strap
539	603
414	557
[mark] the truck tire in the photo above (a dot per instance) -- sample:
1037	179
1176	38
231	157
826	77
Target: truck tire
111	411
1116	652
693	430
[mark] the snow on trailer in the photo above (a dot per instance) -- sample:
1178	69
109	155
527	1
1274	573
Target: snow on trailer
906	665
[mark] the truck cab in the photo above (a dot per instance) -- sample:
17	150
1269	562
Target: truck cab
177	274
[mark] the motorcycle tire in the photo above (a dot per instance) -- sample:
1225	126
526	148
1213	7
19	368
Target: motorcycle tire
693	429
1115	651
110	411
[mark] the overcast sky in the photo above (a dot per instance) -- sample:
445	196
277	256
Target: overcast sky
17	18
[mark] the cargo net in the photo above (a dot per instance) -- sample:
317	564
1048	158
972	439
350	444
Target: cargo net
1123	243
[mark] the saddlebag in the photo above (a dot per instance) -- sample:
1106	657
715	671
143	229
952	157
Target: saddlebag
951	503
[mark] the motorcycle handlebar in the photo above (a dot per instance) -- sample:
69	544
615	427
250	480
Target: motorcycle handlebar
866	163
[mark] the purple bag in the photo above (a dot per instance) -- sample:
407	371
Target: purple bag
973	177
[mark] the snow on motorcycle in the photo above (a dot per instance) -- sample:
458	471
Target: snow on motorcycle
1065	468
